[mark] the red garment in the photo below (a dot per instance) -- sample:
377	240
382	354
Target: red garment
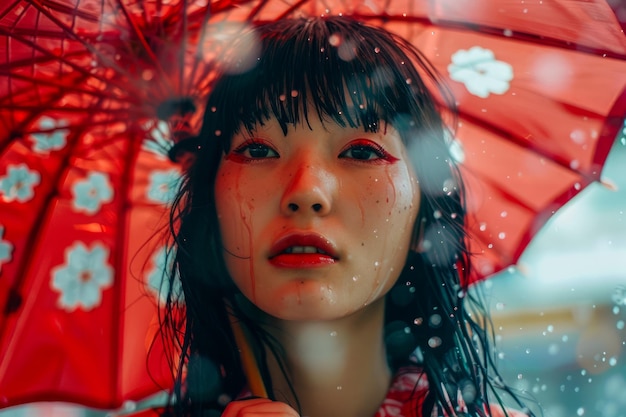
406	394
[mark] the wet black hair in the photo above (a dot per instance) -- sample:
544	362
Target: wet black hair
345	72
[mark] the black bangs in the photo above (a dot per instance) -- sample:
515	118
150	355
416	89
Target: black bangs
337	67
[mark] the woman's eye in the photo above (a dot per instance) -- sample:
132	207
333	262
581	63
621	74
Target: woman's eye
249	151
367	152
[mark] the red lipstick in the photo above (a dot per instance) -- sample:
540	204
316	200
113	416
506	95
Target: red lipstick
303	250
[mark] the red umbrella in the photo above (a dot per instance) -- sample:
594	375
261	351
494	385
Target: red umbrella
84	183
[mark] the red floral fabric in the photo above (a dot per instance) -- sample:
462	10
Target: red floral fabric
406	394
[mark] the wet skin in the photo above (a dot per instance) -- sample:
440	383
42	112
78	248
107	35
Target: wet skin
316	224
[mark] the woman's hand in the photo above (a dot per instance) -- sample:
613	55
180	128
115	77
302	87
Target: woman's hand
259	407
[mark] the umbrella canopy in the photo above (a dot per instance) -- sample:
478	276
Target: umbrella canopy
93	93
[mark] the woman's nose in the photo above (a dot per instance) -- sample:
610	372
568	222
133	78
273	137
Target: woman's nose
310	190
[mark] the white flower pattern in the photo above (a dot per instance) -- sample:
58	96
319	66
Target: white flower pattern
83	276
157	282
481	73
6	249
54	136
158	142
163	185
92	192
19	183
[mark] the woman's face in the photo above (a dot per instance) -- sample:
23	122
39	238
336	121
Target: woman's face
316	224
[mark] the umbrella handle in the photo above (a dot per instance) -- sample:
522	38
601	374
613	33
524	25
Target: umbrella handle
248	360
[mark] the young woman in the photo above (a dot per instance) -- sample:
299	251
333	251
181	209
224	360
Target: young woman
324	215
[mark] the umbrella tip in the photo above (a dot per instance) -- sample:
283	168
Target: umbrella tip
608	184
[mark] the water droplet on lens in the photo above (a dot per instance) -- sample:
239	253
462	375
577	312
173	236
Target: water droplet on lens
434	342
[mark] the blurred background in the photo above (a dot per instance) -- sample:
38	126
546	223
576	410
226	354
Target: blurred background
559	316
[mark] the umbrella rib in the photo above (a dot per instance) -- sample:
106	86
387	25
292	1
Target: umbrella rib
557	159
494	31
144	43
71	35
53	58
196	62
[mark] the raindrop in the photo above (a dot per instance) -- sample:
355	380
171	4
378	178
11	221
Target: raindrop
408	81
615	310
434	320
577	136
377	49
500	306
282	97
129	405
553	349
418	321
213	109
333	333
147	75
577	186
355	278
565	338
550	328
483	227
339	387
619	296
575	164
434	342
620	325
501	235
376	263
294	93
580	411
218	133
508	33
613	361
437	214
503	214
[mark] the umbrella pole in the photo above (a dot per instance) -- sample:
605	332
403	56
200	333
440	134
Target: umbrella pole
248	360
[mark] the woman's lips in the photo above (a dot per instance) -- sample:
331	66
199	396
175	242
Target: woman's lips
303	250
